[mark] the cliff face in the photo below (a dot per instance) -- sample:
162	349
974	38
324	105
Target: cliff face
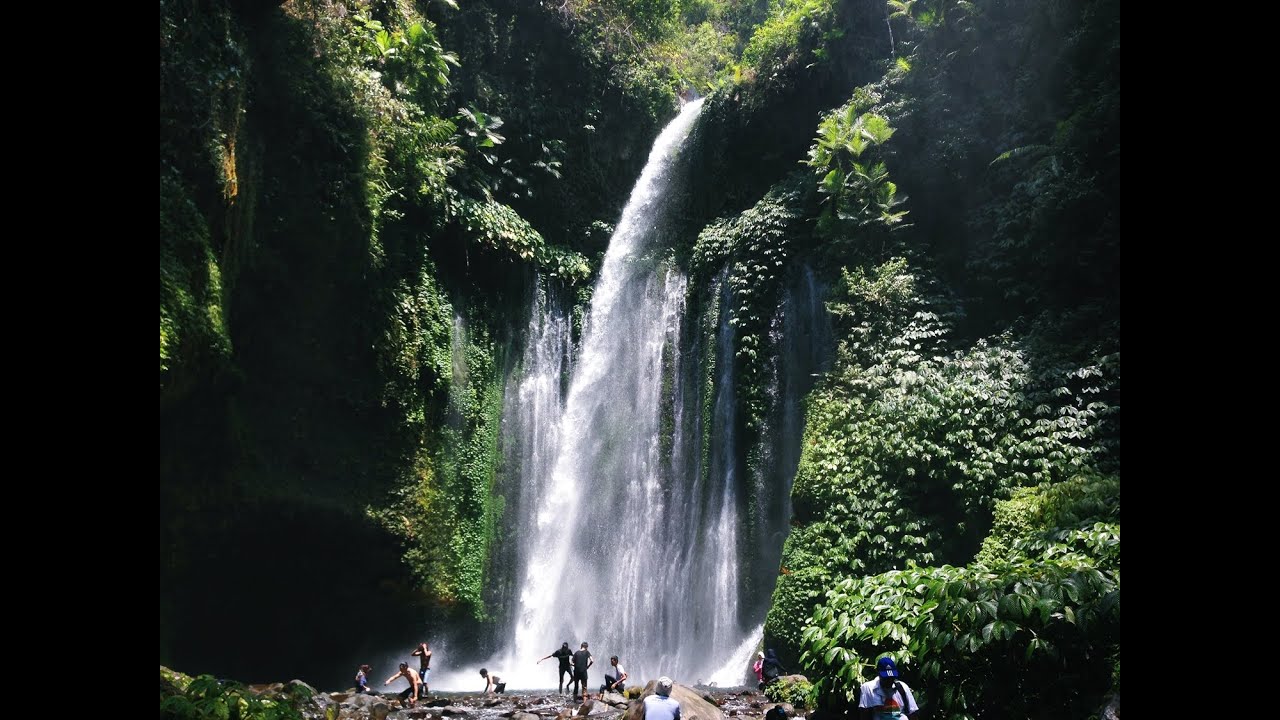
346	240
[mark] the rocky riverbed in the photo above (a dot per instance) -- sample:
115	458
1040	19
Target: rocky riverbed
697	703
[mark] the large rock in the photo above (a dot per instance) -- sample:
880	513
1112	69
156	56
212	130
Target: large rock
298	683
692	705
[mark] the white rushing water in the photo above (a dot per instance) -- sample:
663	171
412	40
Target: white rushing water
625	501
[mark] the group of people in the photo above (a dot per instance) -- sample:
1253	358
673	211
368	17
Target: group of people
417	681
885	697
767	667
576	665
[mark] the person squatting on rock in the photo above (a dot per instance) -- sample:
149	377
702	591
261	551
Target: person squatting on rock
614	678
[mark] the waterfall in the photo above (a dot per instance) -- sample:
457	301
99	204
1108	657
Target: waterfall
602	558
623	488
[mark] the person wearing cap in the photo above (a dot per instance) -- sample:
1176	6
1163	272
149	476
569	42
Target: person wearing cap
581	661
660	705
410	694
563	655
886	697
492	682
614	677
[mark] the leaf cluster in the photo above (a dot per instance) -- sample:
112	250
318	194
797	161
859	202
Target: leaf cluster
208	698
1017	636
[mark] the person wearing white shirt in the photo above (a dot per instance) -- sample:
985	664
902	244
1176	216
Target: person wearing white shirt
886	697
615	677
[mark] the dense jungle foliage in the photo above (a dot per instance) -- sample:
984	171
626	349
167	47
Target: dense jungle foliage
356	196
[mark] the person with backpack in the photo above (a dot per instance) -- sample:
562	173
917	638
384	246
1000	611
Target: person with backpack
771	668
886	697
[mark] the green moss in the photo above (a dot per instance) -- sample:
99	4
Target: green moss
757	246
1032	511
194	337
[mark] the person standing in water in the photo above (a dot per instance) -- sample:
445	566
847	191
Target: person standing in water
563	655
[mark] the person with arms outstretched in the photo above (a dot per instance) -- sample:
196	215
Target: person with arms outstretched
408	695
563	655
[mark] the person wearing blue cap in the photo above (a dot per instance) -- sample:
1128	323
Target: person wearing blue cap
886	697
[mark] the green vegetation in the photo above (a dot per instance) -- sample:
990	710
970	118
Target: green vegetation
977	331
354	199
1026	634
356	196
796	691
207	698
755	247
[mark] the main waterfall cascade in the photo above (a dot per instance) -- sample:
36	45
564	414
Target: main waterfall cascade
626	507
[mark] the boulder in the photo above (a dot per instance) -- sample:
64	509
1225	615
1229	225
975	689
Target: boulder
298	683
692	704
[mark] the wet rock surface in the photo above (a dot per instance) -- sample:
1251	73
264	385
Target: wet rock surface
704	703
